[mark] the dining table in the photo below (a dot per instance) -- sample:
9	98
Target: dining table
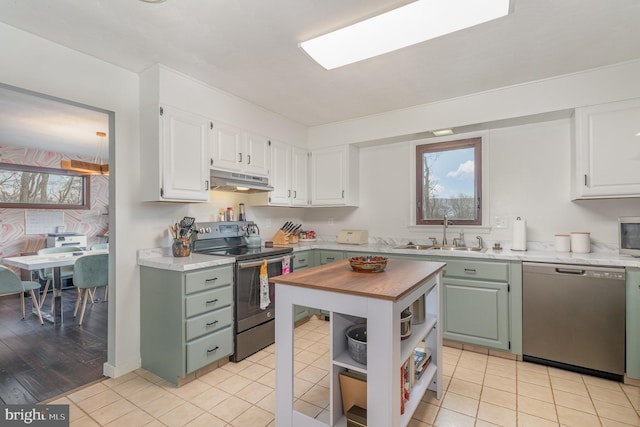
54	261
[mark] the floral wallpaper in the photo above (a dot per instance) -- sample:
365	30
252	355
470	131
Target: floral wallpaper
94	222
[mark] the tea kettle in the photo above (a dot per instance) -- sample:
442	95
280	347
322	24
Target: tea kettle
253	236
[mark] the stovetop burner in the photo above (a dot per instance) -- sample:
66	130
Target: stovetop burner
244	253
228	239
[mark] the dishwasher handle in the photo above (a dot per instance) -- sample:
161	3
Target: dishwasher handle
575	272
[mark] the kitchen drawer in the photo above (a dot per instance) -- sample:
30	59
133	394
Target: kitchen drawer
496	271
207	279
209	322
209	349
330	256
301	260
207	301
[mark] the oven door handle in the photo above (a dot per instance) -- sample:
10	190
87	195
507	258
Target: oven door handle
251	264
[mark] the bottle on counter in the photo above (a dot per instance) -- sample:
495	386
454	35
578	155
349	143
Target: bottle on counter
222	215
229	214
241	214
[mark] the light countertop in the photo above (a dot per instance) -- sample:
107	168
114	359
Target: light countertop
162	259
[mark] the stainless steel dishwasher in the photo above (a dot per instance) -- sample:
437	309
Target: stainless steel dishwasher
574	317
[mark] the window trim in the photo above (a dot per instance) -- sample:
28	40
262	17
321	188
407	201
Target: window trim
86	188
421	149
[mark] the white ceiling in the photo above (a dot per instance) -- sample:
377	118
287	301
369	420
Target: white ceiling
250	48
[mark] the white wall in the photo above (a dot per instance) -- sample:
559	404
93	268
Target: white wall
526	173
526	167
36	64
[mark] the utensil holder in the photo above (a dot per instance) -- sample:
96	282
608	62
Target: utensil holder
181	247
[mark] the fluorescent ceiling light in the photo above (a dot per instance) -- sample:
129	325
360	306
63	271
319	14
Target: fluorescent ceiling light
410	24
442	132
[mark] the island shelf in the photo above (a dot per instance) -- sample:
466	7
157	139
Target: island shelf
351	297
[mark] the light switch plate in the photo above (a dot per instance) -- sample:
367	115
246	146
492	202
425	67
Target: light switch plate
500	222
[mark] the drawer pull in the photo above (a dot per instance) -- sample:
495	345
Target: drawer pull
302	260
213	301
330	258
211	280
212	323
470	270
213	349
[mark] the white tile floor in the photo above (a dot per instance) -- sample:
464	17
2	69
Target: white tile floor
480	390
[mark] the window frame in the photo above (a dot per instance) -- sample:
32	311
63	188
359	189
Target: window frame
421	149
86	188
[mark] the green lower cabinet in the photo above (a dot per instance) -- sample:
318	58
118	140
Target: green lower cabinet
476	312
633	323
186	319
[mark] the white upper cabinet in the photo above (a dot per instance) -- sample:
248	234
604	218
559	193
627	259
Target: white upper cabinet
334	176
238	151
227	147
184	143
289	175
300	177
257	158
175	154
606	154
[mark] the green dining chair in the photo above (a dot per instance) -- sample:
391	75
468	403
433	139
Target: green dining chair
89	271
47	274
11	284
97	247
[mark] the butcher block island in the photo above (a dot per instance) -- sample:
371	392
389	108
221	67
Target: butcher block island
394	387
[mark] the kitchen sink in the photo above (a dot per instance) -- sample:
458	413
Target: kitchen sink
441	248
413	246
458	248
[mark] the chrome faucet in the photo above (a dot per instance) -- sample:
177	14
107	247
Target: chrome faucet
480	242
434	241
446	223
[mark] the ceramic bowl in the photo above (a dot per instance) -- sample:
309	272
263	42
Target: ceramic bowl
368	263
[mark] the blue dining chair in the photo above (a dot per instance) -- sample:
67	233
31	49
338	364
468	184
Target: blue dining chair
11	284
47	274
89	271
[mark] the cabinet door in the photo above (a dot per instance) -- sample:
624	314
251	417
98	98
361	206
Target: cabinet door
226	150
256	157
607	150
476	312
280	177
185	139
299	177
328	176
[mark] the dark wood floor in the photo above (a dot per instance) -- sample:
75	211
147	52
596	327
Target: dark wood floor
38	362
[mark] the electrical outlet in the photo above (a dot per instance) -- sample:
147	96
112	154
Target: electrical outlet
500	221
268	223
330	221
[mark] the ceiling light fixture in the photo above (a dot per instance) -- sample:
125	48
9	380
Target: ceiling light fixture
442	132
88	168
410	24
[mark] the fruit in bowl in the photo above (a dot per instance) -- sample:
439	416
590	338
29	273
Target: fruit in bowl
368	263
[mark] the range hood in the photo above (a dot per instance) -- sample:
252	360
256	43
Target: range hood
238	182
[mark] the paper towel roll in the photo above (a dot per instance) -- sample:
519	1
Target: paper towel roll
519	235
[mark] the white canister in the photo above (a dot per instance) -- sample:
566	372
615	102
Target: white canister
563	243
580	242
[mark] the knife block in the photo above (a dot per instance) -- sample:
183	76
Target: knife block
280	238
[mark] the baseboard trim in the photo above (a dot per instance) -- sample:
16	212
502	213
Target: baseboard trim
111	371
